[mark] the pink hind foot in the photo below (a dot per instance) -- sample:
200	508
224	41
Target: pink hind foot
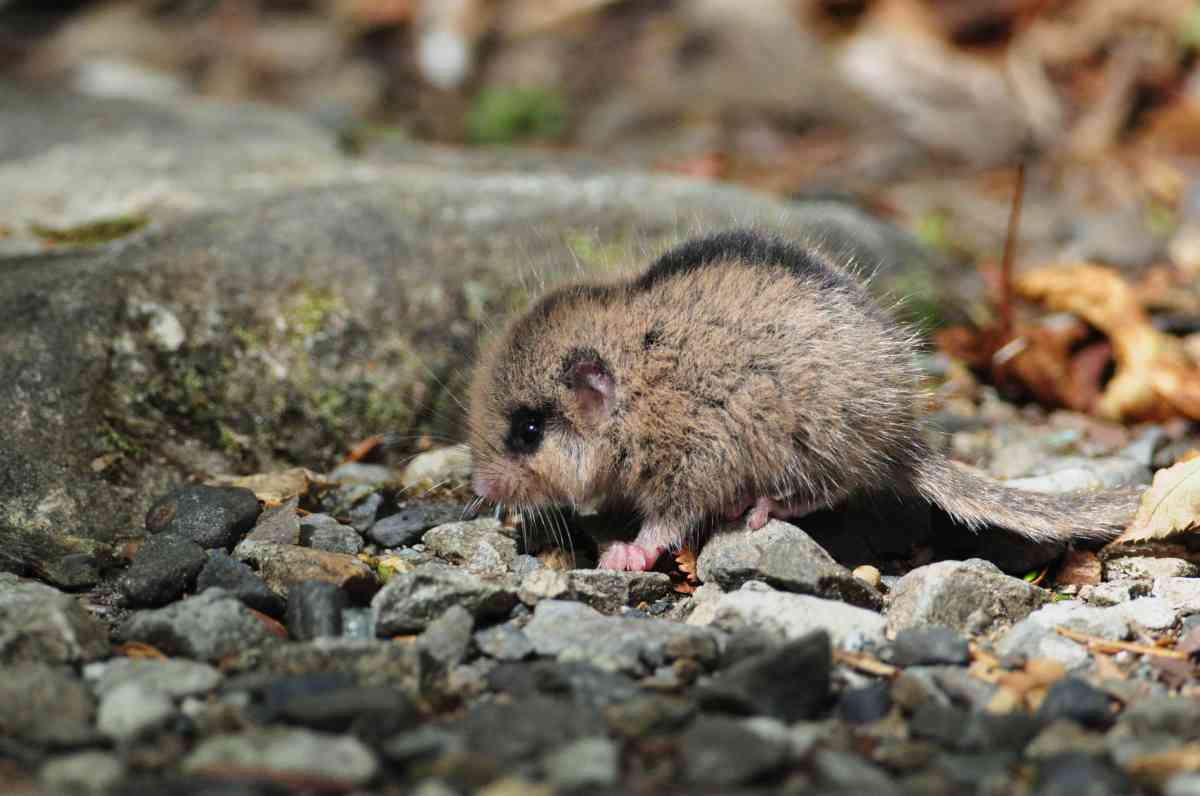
629	557
764	508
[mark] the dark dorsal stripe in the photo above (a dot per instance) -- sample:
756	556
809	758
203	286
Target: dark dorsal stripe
746	246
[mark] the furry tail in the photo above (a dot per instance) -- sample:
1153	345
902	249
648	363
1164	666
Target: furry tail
979	502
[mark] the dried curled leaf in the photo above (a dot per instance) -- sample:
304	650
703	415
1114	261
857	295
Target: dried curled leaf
685	559
1170	506
140	649
275	488
1151	367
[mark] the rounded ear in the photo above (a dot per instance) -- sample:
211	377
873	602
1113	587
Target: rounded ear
594	387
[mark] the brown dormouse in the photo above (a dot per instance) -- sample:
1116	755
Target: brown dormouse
738	374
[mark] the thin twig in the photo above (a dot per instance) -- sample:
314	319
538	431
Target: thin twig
1010	253
864	663
1108	645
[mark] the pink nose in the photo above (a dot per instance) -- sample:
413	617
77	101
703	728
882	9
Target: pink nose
483	487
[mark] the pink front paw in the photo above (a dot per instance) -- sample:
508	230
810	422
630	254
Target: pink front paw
628	557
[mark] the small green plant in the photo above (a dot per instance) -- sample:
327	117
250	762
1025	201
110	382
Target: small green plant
505	115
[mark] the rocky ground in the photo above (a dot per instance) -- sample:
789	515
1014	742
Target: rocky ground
192	291
372	641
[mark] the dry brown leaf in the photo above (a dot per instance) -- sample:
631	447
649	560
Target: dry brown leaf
1169	507
275	488
1180	387
1105	300
686	560
139	649
359	451
1163	764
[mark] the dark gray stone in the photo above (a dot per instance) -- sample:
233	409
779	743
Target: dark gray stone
278	524
162	570
572	631
865	704
1179	718
917	646
40	624
362	514
1076	774
366	662
790	682
314	610
645	715
580	682
211	516
421	743
526	729
844	772
410	522
46	705
784	557
721	753
1074	699
325	533
411	600
504	642
367	711
446	639
972	730
209	626
225	572
972	597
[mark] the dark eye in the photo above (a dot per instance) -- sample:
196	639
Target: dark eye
525	430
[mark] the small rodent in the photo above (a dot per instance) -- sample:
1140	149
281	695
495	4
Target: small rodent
739	373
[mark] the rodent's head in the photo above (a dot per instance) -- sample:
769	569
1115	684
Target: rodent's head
540	401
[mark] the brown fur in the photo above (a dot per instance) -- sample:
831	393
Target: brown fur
733	380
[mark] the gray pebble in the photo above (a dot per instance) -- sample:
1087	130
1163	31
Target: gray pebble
409	523
585	763
411	600
325	533
208	626
236	577
175	677
339	761
82	772
504	642
132	710
446	640
948	593
718	752
278	524
211	516
929	646
314	610
164	567
45	705
38	623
